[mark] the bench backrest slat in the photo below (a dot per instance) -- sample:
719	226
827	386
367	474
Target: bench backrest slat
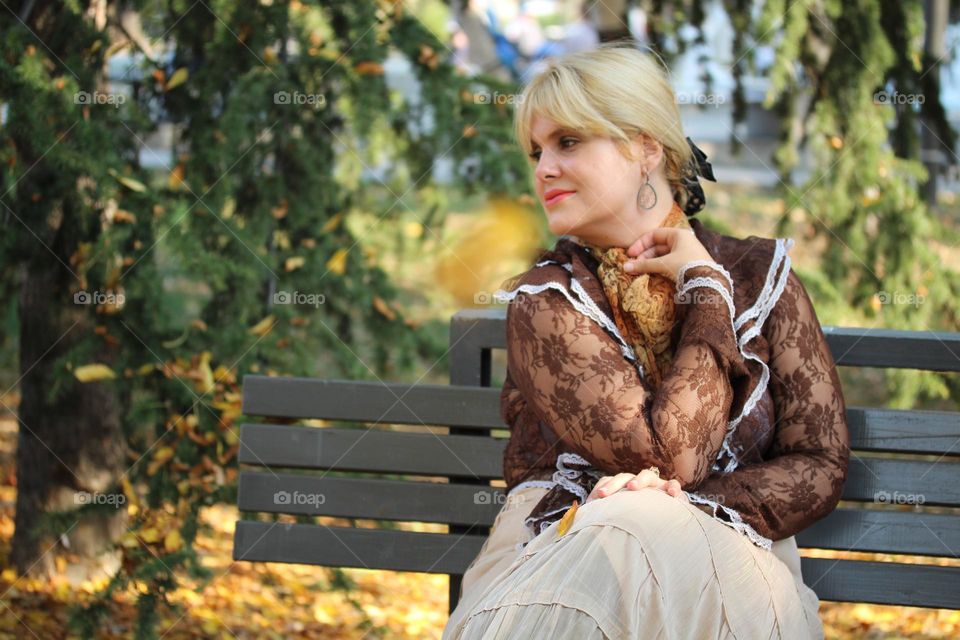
370	498
478	408
370	450
354	547
373	402
870	479
877	531
473	330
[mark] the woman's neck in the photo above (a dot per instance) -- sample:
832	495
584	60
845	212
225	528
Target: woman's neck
629	231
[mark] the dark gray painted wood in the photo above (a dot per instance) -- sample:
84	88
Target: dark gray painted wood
354	547
934	432
477	409
369	498
470	365
883	582
851	346
471	339
371	450
886	481
867	530
364	401
882	531
889	348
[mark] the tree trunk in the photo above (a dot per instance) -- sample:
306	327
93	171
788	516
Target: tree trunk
934	146
71	447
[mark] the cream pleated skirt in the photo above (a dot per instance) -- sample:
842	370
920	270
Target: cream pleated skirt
635	565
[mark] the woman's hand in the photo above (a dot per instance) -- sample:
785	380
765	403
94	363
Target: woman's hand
664	250
608	485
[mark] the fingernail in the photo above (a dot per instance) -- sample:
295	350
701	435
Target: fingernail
628	267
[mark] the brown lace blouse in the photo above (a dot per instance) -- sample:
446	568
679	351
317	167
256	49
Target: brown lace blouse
750	416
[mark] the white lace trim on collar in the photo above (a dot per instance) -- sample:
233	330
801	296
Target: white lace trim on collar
582	303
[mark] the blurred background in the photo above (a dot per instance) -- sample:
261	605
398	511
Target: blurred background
195	190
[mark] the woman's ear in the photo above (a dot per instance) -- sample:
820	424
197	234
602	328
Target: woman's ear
651	151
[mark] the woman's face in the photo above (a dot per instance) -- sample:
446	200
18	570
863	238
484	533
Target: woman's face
588	188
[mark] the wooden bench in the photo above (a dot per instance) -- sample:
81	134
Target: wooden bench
444	476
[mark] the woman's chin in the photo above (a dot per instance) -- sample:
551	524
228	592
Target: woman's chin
560	227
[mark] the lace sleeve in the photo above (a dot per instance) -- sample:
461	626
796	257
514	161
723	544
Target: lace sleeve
802	476
576	380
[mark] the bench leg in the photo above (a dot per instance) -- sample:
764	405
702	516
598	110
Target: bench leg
456	580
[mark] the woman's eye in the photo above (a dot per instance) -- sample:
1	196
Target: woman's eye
566	143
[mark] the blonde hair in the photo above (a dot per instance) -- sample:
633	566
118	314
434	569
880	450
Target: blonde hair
615	91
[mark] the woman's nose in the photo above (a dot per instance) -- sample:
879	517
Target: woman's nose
547	167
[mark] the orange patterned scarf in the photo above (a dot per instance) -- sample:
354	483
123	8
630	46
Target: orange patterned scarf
643	305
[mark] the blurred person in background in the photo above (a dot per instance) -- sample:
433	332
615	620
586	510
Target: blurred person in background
476	46
637	24
525	32
581	35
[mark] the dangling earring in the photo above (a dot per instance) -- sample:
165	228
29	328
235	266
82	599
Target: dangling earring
646	197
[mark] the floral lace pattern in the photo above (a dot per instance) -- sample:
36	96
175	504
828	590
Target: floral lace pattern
753	387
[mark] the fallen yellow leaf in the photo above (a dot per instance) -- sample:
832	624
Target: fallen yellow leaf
173	541
150	535
338	261
332	223
262	327
124	216
129	540
383	308
205	384
175	179
567	519
178	78
94	372
369	68
229	207
129	491
130	183
293	262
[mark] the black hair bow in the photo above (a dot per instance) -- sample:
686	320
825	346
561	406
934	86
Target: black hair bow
698	167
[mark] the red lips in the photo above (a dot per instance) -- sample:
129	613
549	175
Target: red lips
555	195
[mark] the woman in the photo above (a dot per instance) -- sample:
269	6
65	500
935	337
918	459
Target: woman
675	412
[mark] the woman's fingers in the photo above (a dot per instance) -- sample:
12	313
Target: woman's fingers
609	485
663	251
655	251
650	265
616	483
645	478
660	235
674	489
